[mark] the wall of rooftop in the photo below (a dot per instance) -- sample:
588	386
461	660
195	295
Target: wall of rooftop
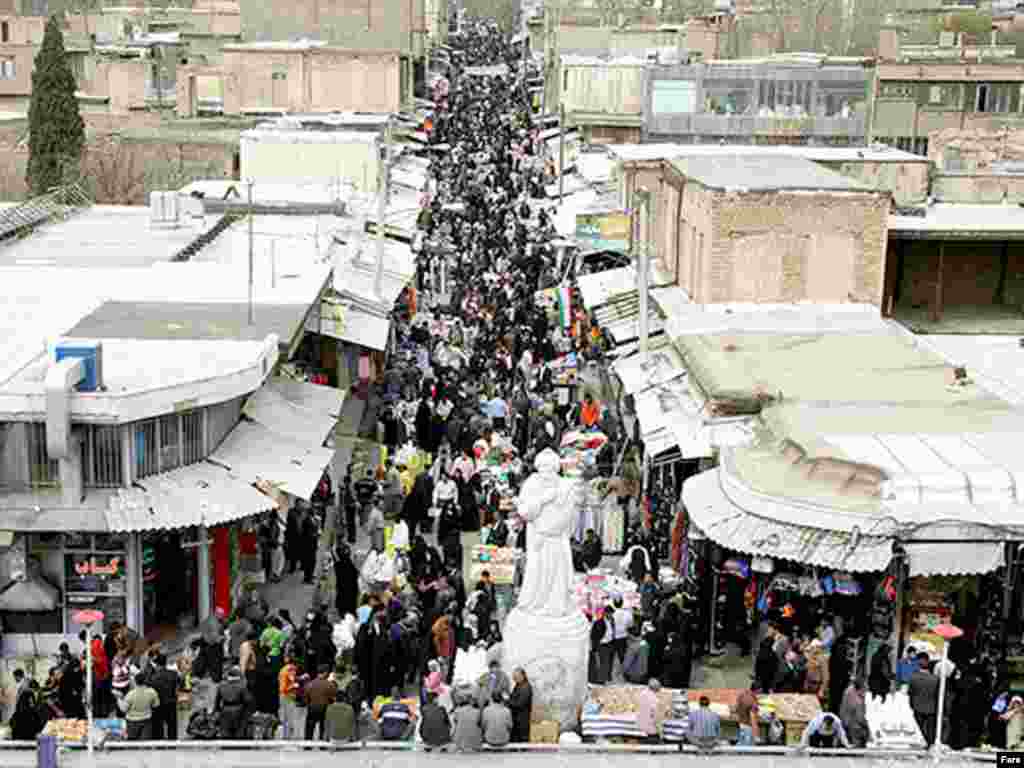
396	24
908	182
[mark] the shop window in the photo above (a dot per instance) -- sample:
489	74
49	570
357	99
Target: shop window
146	462
44	472
944	95
110	542
35	623
8	70
170	447
103	457
192	436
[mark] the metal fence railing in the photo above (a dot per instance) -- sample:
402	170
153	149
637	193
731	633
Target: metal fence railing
619	749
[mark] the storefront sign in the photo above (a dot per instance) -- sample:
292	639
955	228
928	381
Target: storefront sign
94	573
333	317
604	231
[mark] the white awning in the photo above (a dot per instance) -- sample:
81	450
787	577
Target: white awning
597	288
723	521
954	559
663	365
672	407
304	412
361	328
255	453
199	494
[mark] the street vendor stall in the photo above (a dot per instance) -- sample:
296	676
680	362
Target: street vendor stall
793	710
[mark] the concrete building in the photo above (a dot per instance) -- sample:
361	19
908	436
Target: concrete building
302	76
771	229
785	99
977	166
921	89
271	155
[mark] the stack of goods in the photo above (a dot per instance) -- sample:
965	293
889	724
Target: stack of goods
579	450
500	562
470	666
674	728
891	722
67	731
114	728
564	370
599	588
611	711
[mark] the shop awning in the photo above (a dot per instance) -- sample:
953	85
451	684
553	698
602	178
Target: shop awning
359	327
305	412
38	517
730	525
199	494
663	365
954	559
597	288
256	453
672	407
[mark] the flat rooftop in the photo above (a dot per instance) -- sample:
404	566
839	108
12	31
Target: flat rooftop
665	151
99	236
952	221
768	173
133	365
882	367
162	321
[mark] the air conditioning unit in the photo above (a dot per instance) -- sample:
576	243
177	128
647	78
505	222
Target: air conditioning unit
91	354
164	209
948	39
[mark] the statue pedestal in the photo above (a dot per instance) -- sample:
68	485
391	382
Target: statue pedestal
554	652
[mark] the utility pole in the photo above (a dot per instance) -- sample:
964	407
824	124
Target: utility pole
382	207
252	309
561	153
642	197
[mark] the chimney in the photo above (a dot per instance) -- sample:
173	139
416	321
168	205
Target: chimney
889	43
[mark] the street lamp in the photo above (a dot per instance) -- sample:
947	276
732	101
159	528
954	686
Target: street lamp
87	618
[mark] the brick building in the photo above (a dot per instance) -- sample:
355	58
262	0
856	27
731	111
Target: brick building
772	229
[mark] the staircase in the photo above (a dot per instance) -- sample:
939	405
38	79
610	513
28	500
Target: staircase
56	205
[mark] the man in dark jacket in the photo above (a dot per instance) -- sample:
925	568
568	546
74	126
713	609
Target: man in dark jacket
233	703
373	656
593	551
320	694
165	682
435	729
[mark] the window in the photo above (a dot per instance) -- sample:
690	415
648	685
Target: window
994	97
896	90
279	76
944	95
145	449
42	470
221	419
192	434
7	69
5	446
103	457
5	32
170	447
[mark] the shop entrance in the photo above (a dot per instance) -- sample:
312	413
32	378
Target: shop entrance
169	579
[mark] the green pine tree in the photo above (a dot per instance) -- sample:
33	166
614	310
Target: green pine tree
56	130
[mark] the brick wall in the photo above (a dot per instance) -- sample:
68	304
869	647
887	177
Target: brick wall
975	150
779	247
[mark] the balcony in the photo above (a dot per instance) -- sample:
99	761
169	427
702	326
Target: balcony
712	125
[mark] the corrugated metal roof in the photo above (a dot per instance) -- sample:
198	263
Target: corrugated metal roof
954	559
729	525
199	494
792	319
664	365
363	329
255	453
41	518
304	412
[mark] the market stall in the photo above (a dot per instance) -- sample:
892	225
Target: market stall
793	710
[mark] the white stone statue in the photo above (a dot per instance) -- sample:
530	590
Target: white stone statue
548	503
546	634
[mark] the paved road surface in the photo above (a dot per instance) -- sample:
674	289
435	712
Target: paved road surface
387	759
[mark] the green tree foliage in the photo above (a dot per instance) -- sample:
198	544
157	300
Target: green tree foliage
56	130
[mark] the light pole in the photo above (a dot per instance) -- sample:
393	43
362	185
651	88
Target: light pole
87	619
642	197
